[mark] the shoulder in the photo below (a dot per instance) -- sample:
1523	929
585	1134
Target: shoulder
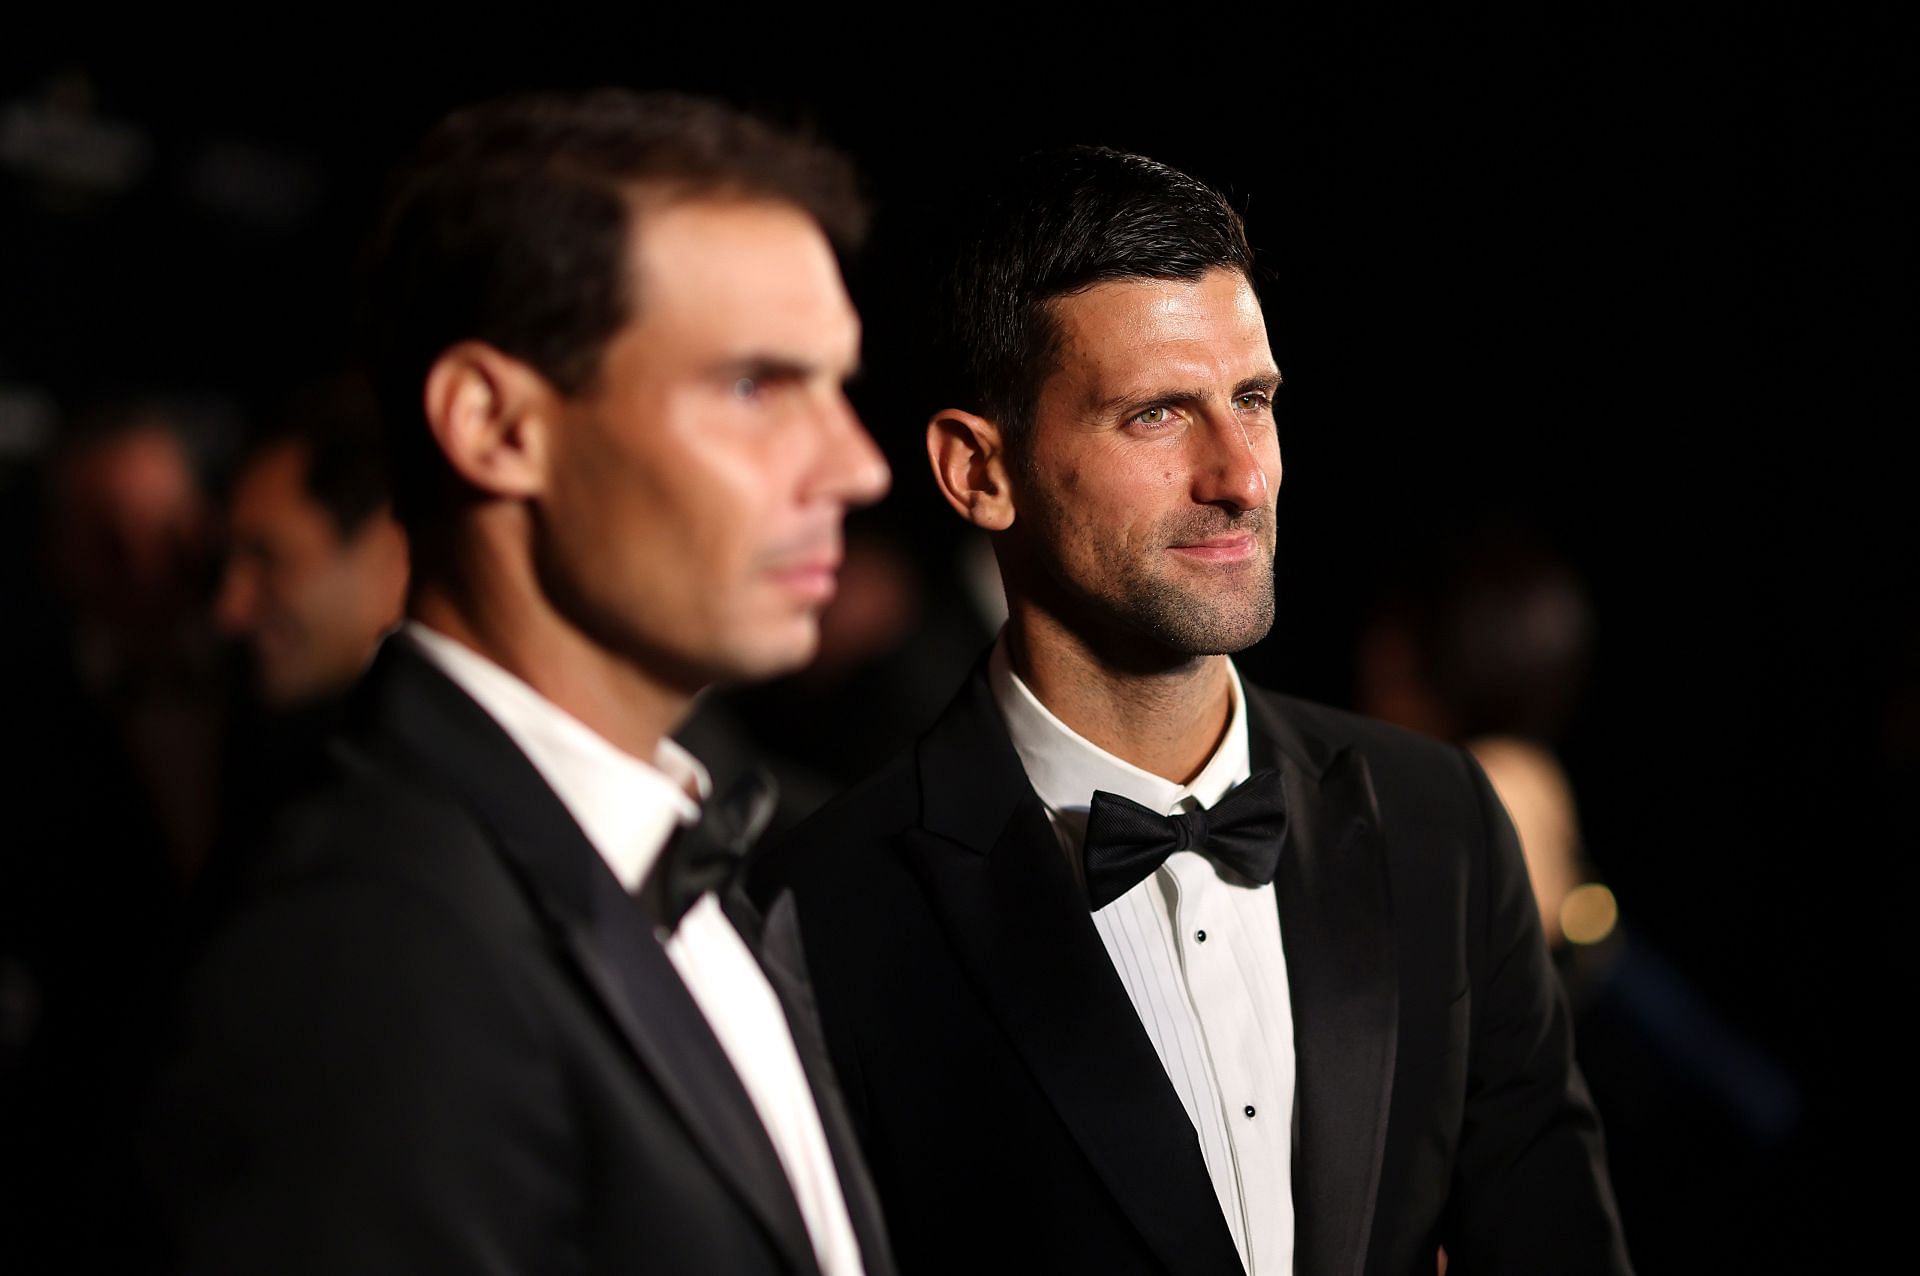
842	842
369	1043
1322	731
1408	771
379	982
372	871
372	819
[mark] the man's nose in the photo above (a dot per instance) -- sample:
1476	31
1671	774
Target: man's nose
851	470
1230	469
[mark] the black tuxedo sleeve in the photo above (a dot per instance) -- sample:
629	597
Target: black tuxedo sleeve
1530	1191
358	1087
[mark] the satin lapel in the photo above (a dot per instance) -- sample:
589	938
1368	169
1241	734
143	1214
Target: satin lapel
992	869
450	741
776	942
1336	929
661	1020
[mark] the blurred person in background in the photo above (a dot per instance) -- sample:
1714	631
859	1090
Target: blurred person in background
1487	639
1490	647
1132	966
316	567
315	577
491	999
116	711
130	560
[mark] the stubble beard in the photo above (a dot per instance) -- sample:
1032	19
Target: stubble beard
1197	622
1206	610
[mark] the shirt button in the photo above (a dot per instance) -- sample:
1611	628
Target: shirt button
1199	936
1249	1109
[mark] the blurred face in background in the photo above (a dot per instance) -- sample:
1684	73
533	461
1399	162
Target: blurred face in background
310	600
691	520
129	543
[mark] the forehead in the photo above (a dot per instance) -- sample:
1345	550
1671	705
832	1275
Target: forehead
280	464
738	277
1158	333
273	483
140	459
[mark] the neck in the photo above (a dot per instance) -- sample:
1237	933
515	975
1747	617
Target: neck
1162	711
493	604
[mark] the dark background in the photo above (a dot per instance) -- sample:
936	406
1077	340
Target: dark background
1643	284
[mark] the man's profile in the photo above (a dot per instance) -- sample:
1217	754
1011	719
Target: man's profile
492	1002
316	567
1129	965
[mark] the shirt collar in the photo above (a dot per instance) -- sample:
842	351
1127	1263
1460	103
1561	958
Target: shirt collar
626	807
1065	767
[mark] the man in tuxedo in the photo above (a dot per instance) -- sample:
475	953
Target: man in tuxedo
491	1003
1129	966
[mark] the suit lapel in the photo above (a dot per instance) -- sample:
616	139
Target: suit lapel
1017	919
775	940
1336	929
447	739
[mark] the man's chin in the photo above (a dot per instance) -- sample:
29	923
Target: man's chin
1202	627
774	651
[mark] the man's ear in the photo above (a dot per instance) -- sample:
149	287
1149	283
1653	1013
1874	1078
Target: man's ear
969	459
490	414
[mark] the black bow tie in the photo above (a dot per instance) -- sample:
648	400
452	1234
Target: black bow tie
1127	841
705	856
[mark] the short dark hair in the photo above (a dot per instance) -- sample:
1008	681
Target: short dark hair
1052	224
336	425
510	226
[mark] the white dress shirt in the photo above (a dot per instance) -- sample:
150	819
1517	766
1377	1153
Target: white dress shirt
628	809
1200	957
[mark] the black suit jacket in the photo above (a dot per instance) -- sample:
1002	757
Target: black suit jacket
1015	1114
439	1037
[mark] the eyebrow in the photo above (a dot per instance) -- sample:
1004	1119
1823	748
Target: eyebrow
773	367
1263	383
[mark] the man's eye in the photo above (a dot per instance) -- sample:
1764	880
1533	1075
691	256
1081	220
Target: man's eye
745	388
1252	401
1154	416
